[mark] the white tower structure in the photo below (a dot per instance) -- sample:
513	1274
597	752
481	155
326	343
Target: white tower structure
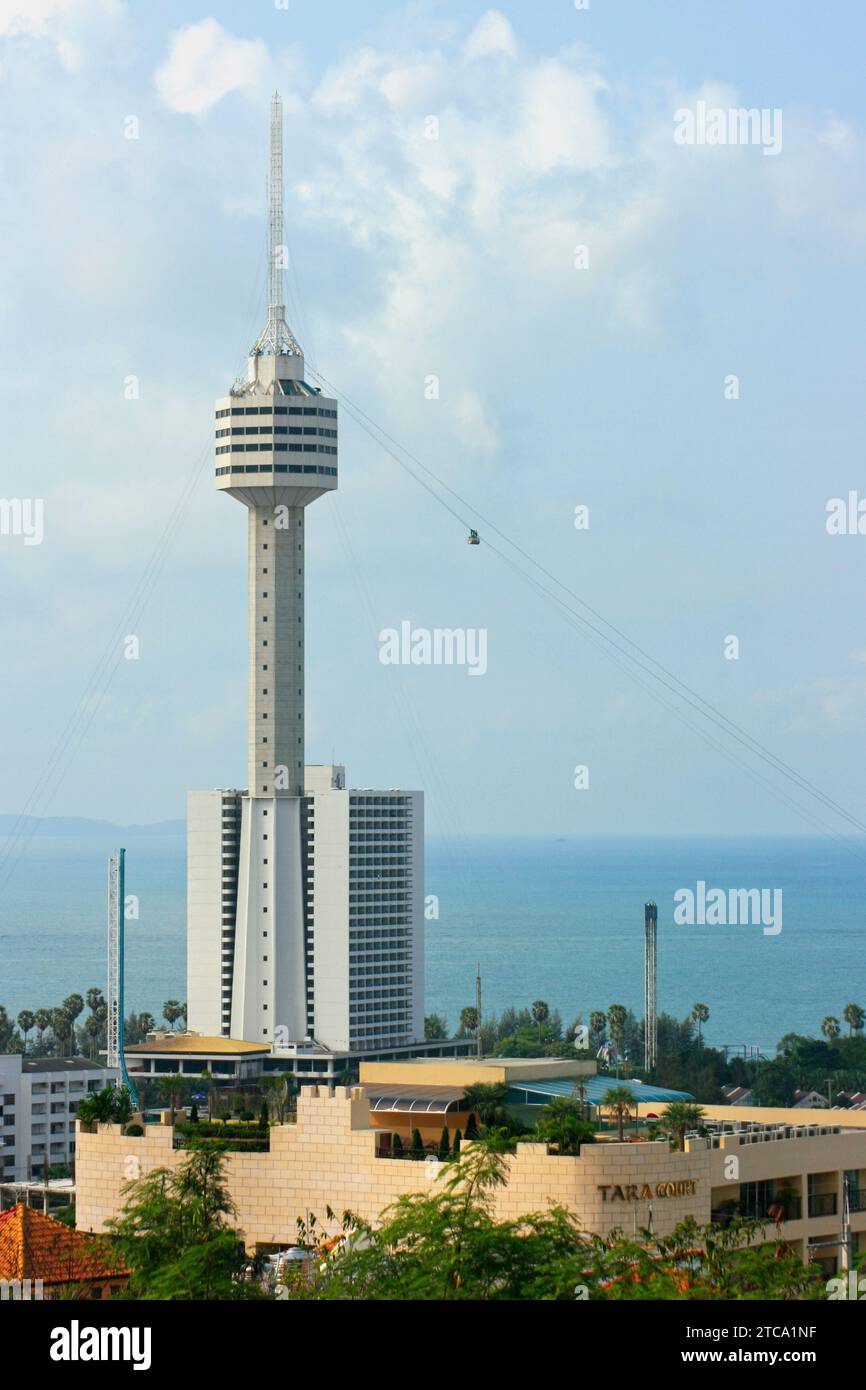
304	899
276	453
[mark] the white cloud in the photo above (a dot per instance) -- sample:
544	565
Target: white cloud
562	126
205	63
475	427
58	21
343	86
492	34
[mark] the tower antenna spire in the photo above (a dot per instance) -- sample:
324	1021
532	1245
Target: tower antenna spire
276	337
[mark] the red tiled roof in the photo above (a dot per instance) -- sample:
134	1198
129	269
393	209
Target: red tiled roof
34	1246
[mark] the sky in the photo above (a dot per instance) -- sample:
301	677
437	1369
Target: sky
445	163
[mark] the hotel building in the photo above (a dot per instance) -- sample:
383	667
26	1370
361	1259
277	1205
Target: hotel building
804	1175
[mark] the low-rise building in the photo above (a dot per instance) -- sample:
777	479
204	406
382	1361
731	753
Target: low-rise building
231	1060
38	1100
44	1258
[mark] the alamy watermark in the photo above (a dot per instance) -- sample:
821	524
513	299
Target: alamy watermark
734	125
846	516
717	907
20	1290
23	516
438	646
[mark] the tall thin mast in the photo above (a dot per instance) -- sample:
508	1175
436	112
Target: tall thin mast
277	337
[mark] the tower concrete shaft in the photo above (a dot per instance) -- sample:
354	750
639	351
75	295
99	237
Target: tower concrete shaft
275	738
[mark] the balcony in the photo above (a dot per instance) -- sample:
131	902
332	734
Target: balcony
822	1204
774	1208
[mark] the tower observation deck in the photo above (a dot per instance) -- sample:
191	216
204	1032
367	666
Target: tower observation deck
276	451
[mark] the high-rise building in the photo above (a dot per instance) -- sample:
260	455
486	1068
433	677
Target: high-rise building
304	899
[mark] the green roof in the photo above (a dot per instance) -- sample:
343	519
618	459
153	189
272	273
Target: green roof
538	1092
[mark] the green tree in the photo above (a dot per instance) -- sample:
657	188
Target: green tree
444	1151
678	1117
60	1029
171	1091
111	1105
435	1027
417	1149
72	1006
853	1015
279	1094
26	1020
487	1101
830	1028
93	1032
469	1021
175	1235
700	1014
540	1014
619	1101
207	1083
42	1019
172	1010
597	1029
561	1123
397	1148
458	1140
616	1020
95	1000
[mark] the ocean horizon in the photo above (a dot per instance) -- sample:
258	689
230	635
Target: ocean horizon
554	918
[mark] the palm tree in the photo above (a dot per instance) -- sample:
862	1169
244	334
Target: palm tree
680	1116
700	1013
171	1089
831	1028
561	1123
469	1019
487	1102
42	1019
60	1029
207	1082
853	1015
280	1091
616	1017
619	1101
540	1014
93	1031
579	1091
172	1010
597	1027
95	1000
72	1006
26	1020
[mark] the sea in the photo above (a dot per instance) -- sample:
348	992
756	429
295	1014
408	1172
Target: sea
558	919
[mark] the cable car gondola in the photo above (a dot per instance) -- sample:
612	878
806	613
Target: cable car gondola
472	538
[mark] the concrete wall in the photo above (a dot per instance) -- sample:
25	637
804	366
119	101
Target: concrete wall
204	883
328	1159
331	917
